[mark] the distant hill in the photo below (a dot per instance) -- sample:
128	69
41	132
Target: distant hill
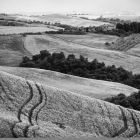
63	19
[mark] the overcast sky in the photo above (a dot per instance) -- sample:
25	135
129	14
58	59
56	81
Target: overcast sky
97	6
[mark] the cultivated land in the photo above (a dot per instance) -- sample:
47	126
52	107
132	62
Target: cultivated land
6	30
29	109
43	103
91	46
91	40
70	44
12	50
53	18
83	86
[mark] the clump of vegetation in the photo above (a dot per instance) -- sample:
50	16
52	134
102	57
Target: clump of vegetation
132	27
81	67
107	44
132	101
67	29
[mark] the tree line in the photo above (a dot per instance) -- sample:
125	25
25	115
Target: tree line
81	67
132	101
132	27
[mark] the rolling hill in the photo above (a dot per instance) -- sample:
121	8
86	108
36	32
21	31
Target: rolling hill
12	50
83	86
124	52
88	48
63	19
30	109
7	30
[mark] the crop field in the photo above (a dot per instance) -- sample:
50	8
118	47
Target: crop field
12	50
83	86
91	40
73	21
135	50
126	43
6	30
53	43
30	109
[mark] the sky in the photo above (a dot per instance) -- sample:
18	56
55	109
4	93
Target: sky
68	6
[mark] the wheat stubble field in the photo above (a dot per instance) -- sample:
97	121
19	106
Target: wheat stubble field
45	111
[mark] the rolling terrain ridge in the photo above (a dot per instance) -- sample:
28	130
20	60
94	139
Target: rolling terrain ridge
83	86
45	111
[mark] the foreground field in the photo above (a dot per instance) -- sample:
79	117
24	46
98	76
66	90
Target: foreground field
83	86
30	109
53	43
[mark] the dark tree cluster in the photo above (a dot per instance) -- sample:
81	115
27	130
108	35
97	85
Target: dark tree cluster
132	101
81	67
67	29
133	27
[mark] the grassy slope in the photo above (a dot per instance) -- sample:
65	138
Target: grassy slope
92	88
126	43
91	40
73	21
6	30
12	50
135	50
54	43
29	109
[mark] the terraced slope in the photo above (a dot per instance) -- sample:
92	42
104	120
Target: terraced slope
12	50
126	43
29	109
54	43
135	50
89	87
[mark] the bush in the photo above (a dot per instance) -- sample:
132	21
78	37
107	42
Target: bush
107	44
132	101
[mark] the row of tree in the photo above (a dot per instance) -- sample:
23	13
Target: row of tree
133	27
81	67
132	101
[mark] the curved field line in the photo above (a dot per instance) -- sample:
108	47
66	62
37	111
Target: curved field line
27	101
20	112
122	130
134	123
43	103
35	106
85	45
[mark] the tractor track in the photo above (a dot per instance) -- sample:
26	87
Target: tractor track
125	127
